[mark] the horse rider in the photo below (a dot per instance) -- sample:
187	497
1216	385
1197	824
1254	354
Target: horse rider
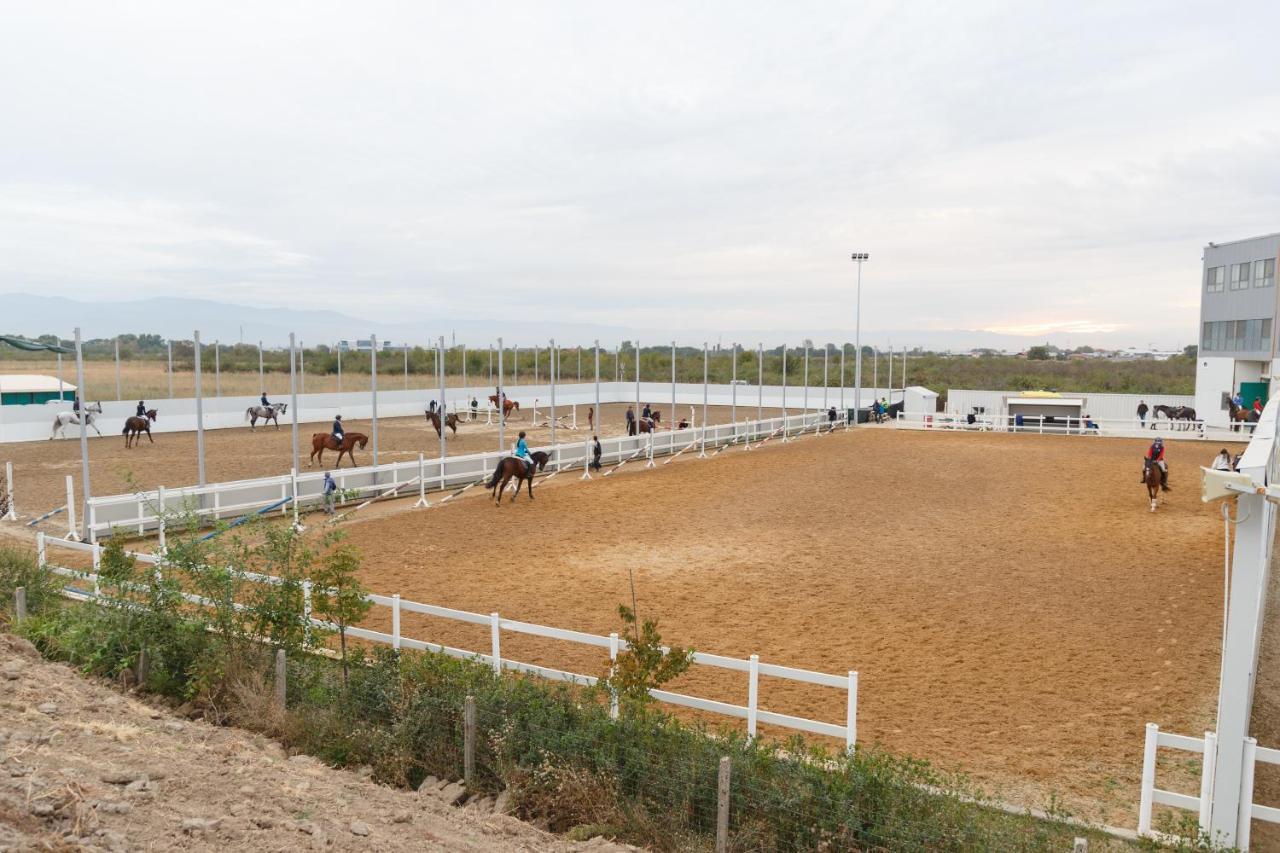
1257	406
75	404
1155	456
631	421
521	452
265	402
337	431
432	408
647	414
1222	462
1238	400
142	408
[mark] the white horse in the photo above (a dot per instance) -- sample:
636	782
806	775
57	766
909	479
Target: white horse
266	413
64	418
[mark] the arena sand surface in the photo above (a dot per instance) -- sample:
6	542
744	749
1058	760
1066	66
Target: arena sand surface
1010	603
41	467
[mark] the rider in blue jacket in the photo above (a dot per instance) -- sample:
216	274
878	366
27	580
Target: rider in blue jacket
522	451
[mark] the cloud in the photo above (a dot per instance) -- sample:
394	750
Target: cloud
684	168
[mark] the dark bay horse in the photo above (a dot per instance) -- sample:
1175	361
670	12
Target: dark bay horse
508	405
322	441
266	413
510	466
135	426
450	420
1240	415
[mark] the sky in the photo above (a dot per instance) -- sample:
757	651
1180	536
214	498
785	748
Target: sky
1027	168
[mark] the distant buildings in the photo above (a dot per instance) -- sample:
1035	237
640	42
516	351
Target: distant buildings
362	345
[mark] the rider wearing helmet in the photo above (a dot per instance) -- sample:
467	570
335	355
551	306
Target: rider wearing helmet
338	432
1155	456
142	409
522	451
264	399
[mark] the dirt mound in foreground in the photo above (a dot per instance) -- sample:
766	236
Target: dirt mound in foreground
83	767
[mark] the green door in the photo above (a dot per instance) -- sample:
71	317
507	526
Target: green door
1250	391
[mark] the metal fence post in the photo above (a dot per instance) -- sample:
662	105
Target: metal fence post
495	643
722	807
395	621
753	693
469	741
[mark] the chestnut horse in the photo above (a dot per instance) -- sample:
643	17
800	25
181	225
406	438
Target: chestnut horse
1151	478
322	441
135	426
450	420
650	425
510	466
507	405
1241	415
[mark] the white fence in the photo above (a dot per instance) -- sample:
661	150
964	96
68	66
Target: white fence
1109	407
143	511
1207	747
752	667
1064	425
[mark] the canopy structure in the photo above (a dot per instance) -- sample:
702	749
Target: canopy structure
33	346
25	389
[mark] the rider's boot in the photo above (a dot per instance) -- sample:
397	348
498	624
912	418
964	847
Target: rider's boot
1164	481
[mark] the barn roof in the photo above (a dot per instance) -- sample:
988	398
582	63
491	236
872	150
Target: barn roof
28	383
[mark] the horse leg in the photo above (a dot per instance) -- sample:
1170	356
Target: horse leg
530	487
149	438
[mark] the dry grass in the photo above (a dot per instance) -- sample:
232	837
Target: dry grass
149	380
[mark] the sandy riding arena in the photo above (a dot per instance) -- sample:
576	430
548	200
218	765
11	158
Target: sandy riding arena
1011	604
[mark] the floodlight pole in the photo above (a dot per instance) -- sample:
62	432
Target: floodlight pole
858	258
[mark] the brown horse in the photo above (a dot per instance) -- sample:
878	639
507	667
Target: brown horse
510	466
647	425
507	405
322	441
135	426
1151	479
1240	415
450	420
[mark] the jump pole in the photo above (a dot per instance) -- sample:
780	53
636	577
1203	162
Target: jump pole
639	450
242	519
50	514
12	514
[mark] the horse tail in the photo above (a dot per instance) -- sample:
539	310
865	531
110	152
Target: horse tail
246	415
497	472
125	431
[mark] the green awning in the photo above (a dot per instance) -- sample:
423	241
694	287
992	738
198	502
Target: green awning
33	346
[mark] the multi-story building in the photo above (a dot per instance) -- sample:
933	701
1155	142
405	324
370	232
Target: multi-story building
1238	314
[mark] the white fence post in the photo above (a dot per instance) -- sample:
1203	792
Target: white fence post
41	555
422	480
1206	781
1245	824
753	689
613	694
586	459
293	485
71	510
851	714
1147	791
162	523
395	621
495	643
306	611
97	564
12	514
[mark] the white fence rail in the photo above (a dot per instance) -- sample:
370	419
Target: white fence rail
1064	425
752	667
1207	747
1111	407
143	511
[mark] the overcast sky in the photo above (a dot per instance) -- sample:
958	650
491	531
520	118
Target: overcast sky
1017	166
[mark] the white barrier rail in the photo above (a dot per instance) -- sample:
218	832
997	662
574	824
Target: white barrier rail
1207	747
141	512
1035	425
751	711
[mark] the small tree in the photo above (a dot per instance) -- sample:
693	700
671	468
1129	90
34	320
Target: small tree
337	594
645	664
1038	353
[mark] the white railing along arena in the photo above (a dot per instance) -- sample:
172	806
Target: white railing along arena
1063	425
141	512
752	667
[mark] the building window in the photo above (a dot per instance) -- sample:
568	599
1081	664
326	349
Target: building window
1240	276
1214	278
1264	273
1236	335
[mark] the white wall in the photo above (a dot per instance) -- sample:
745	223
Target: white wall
30	423
1099	406
1214	377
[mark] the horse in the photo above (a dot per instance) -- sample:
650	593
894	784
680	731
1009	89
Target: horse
135	426
266	413
450	420
511	466
1170	412
61	420
1188	414
1151	479
507	405
322	441
650	424
1240	415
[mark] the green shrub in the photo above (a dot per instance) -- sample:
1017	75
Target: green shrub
18	569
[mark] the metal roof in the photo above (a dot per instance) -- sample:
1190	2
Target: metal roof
28	383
